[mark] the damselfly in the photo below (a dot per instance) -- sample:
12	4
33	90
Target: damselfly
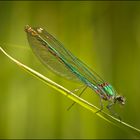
61	61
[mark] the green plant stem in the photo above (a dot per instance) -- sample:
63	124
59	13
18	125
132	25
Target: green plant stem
75	98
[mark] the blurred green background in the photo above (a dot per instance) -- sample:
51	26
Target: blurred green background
105	35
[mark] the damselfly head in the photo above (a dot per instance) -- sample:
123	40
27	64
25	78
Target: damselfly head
120	99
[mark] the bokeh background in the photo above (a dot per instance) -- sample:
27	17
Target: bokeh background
103	34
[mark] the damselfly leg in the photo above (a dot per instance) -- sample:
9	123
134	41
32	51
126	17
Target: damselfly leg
109	107
101	105
79	96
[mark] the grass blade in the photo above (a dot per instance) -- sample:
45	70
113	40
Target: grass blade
75	98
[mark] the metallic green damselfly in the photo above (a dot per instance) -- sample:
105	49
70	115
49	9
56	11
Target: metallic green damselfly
61	61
